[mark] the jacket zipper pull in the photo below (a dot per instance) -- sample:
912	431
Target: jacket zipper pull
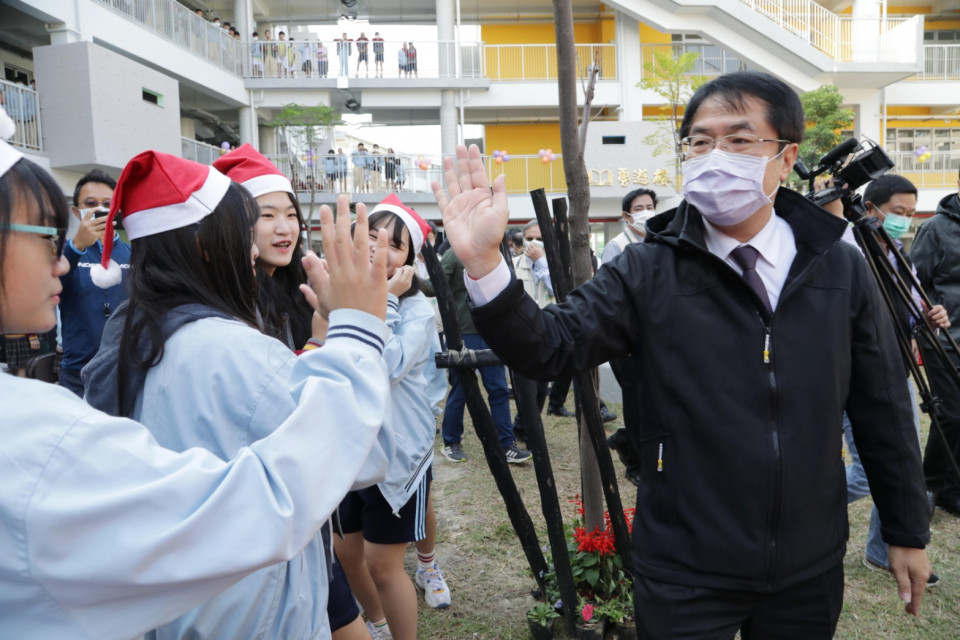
660	459
766	346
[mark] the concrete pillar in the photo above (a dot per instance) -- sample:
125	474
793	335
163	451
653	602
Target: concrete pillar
248	126
446	35
243	18
188	128
629	68
268	140
867	112
449	136
866	16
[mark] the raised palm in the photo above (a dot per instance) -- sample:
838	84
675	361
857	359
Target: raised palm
474	217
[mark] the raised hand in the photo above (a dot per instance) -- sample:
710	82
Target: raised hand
350	279
90	230
401	280
474	218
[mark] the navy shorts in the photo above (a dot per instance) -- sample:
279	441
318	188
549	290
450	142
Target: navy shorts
342	607
368	511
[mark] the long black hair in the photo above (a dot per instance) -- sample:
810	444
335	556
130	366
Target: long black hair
280	302
206	263
25	182
380	220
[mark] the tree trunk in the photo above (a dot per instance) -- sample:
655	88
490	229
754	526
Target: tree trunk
578	193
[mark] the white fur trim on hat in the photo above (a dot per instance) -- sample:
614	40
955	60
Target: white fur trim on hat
416	235
8	155
268	183
175	216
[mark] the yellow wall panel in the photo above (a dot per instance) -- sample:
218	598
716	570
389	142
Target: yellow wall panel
522	139
540	33
649	35
903	110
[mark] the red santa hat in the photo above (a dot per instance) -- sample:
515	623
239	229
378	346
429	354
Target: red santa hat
416	225
250	168
158	192
8	155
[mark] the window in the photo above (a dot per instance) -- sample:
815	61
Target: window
152	97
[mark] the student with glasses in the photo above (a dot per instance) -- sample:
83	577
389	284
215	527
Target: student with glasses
107	534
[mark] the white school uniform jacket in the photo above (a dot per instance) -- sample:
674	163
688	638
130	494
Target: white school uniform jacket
414	389
104	534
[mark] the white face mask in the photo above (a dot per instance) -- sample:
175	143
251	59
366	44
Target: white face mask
726	188
640	218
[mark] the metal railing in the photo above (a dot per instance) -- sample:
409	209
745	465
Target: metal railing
23	106
712	61
282	59
198	151
181	26
941	62
410	173
539	61
844	39
937	172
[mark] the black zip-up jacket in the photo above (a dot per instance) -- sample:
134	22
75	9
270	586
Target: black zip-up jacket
743	411
936	254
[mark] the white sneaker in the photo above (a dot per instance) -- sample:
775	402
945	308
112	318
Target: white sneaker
383	633
435	590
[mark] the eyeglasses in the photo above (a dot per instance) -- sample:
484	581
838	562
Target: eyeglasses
91	203
56	237
743	143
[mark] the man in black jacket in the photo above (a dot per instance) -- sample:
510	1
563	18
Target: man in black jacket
937	257
752	332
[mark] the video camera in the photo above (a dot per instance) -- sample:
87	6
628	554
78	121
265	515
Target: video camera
869	163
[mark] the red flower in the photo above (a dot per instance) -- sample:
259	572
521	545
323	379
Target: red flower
587	612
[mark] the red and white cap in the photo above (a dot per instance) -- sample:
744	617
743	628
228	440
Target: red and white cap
8	155
158	192
250	168
416	225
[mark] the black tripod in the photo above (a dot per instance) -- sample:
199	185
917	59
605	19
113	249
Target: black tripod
896	282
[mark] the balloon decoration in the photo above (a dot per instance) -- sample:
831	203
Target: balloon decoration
500	156
423	163
921	153
224	147
547	156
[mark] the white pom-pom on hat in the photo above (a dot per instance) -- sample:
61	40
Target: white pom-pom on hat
7	126
106	278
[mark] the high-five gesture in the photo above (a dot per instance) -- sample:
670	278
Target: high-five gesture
348	278
473	217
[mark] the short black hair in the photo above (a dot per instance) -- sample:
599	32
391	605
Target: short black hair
515	236
628	199
784	111
98	176
880	191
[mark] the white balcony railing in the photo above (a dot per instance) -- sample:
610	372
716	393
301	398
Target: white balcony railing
198	151
937	172
23	106
941	62
526	62
712	61
284	59
844	39
412	173
180	25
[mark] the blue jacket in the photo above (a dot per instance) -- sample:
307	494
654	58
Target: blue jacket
414	389
221	385
105	534
83	304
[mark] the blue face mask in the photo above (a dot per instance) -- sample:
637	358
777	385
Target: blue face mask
895	224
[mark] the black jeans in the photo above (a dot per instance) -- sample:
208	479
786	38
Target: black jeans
936	464
806	611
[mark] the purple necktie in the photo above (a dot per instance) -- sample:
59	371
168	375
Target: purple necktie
746	257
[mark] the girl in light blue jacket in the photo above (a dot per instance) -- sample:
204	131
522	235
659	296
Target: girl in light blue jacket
107	534
187	359
379	522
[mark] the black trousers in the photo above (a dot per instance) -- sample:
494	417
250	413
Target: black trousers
806	611
939	472
522	421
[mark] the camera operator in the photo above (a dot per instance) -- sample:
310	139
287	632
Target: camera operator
892	200
936	253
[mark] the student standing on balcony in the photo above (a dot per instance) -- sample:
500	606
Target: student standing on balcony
256	54
361	169
412	60
270	54
341	170
323	62
362	53
344	51
753	329
377	55
402	62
